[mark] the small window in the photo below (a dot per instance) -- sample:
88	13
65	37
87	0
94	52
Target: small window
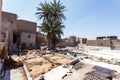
29	36
30	44
101	44
11	22
10	17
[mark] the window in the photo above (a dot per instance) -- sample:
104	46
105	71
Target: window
11	22
29	36
30	44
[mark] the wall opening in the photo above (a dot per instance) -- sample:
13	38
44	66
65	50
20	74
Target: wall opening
29	36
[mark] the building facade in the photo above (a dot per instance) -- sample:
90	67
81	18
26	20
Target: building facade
17	32
71	41
41	39
26	33
9	21
105	41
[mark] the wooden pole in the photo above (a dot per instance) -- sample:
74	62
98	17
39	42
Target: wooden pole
1	20
1	37
0	15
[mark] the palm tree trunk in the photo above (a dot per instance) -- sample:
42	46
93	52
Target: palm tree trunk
49	39
53	46
54	42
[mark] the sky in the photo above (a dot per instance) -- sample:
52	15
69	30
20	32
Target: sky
85	18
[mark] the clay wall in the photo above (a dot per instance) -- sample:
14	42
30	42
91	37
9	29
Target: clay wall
115	44
28	39
27	26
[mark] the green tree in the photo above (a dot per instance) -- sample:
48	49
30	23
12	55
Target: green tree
51	14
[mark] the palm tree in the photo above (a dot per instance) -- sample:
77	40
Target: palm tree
56	31
51	13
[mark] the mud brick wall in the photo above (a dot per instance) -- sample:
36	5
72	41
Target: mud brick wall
103	43
13	28
72	40
40	38
84	40
92	43
8	21
115	44
23	25
29	39
8	27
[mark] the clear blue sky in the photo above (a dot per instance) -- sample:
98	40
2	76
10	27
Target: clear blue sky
85	18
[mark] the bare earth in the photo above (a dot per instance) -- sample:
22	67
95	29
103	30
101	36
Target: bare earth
39	65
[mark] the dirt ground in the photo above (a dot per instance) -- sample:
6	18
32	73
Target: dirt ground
57	59
80	74
17	74
39	65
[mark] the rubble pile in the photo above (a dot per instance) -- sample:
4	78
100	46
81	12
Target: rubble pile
38	64
100	73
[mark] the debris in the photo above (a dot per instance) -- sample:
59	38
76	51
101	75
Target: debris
76	60
98	76
104	70
57	73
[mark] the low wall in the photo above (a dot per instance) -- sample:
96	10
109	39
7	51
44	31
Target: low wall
103	43
97	48
91	42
